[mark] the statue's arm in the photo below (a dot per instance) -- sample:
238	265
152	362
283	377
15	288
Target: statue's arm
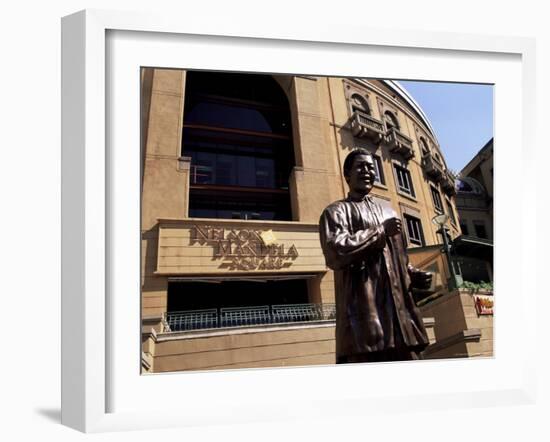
343	248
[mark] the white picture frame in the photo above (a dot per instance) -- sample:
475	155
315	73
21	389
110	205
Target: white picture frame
91	368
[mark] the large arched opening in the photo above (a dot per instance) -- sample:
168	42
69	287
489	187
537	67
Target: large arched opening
237	131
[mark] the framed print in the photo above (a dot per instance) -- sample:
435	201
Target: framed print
110	140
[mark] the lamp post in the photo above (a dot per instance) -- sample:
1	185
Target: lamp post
441	220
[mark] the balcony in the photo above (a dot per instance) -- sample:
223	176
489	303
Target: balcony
448	183
432	167
399	143
247	316
365	126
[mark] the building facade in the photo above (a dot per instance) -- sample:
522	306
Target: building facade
236	170
474	202
463	318
475	194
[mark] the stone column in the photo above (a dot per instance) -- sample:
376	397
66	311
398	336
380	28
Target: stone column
165	175
310	181
165	181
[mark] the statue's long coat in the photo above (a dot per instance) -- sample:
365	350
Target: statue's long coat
374	306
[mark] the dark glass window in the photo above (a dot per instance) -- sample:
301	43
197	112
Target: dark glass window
229	116
391	120
464	228
450	211
424	146
229	203
379	170
237	132
414	230
404	181
436	196
358	103
463	186
481	231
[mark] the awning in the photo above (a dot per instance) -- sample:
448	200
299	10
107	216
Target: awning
473	246
465	239
242	278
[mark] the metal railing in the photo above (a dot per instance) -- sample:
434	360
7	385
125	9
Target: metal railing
364	125
247	316
302	312
432	167
448	183
191	320
399	142
239	316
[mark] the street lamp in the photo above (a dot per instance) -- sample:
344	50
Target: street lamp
441	220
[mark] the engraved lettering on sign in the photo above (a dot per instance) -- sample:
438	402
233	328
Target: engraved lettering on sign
245	249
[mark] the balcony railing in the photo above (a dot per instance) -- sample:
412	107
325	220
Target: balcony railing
239	316
399	143
365	126
448	183
191	320
247	316
432	167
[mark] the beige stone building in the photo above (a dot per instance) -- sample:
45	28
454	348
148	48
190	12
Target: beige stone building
236	171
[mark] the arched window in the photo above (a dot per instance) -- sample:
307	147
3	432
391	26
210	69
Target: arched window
391	120
358	103
424	146
237	131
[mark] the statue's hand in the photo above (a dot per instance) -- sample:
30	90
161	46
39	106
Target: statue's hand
420	279
376	333
392	226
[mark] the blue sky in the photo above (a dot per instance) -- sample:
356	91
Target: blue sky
461	115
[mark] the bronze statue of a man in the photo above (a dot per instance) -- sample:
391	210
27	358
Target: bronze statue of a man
376	317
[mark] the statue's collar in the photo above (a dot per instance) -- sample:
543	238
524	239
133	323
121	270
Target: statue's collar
354	196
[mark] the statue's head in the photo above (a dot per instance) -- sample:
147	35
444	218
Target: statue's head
359	171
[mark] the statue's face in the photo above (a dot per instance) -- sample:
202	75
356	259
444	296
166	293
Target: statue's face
362	174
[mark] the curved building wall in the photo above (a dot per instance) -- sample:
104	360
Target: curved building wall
427	172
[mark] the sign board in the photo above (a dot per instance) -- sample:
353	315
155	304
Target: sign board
484	304
221	246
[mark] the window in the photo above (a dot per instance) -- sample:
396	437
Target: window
464	186
237	131
414	230
437	200
450	211
358	103
464	228
404	181
481	231
379	170
391	121
424	146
